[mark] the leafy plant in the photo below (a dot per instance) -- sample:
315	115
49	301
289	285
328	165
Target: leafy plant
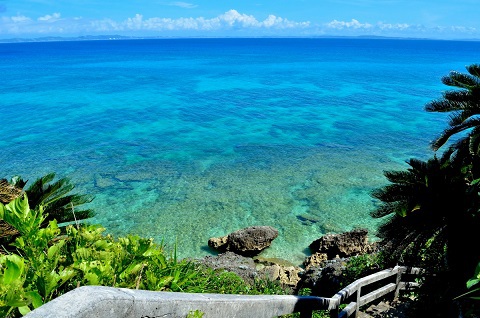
475	282
53	197
474	285
56	198
13	275
195	314
432	209
48	262
470	299
361	266
464	105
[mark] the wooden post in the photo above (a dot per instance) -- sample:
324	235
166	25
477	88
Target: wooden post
397	283
357	305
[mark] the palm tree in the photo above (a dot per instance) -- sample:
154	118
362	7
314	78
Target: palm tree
431	210
422	205
464	105
56	199
54	196
431	218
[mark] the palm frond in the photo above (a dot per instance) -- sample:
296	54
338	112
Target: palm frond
400	176
387	208
457	153
457	96
457	118
393	192
419	166
474	70
452	130
474	141
443	106
460	80
57	200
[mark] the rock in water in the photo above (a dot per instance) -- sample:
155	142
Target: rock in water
249	241
343	245
218	243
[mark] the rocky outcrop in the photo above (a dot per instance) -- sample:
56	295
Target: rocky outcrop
324	268
324	281
249	241
315	260
218	243
280	270
343	245
250	269
244	267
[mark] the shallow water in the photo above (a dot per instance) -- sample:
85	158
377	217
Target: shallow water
185	139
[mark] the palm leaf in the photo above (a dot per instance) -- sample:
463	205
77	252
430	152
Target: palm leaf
452	130
443	106
474	70
460	80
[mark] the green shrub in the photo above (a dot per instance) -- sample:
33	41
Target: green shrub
361	266
195	314
48	263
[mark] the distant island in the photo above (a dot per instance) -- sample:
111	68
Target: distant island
123	37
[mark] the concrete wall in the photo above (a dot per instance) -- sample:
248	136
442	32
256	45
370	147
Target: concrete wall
99	302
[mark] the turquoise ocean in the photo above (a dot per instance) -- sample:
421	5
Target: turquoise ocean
185	139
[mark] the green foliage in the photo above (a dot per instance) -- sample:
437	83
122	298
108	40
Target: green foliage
49	262
56	198
475	282
13	296
304	292
17	213
432	210
195	314
265	286
471	298
52	197
464	104
474	285
429	212
361	266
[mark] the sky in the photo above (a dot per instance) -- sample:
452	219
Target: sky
436	19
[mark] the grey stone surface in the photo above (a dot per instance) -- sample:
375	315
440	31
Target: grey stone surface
98	301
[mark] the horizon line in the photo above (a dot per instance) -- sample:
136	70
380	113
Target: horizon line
113	37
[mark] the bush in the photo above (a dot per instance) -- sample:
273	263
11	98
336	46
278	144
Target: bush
48	263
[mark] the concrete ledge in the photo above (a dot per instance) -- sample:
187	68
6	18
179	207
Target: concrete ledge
99	301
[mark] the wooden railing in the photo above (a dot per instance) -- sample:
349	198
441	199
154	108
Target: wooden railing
388	281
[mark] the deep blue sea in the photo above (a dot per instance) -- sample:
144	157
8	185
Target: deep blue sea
184	139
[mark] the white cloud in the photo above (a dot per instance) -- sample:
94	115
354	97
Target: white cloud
396	26
20	19
231	22
355	27
183	5
52	18
354	24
